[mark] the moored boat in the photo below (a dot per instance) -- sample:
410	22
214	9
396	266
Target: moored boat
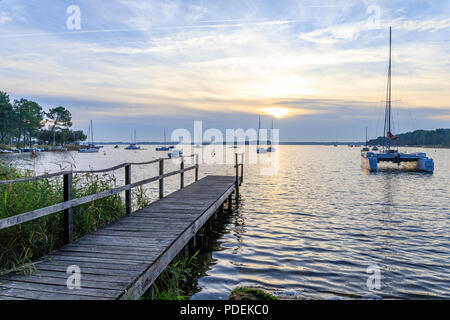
91	148
370	160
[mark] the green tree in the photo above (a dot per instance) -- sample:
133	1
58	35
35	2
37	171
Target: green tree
6	116
60	118
33	120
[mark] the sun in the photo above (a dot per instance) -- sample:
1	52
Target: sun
277	112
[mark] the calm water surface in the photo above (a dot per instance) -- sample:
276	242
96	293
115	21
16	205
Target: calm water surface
313	228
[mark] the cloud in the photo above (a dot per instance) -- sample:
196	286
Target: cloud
4	18
347	32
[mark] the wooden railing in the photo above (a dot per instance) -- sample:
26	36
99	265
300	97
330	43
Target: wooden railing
237	165
69	203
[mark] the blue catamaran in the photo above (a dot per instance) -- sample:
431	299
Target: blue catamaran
370	160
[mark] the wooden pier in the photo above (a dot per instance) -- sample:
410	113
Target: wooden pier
124	258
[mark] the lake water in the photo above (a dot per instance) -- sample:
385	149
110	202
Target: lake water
314	227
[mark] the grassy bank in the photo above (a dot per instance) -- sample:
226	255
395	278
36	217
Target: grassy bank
26	242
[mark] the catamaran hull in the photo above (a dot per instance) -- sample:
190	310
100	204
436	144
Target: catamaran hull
370	160
425	164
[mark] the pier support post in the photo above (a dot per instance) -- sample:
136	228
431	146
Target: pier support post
182	174
237	176
128	192
68	213
242	170
196	167
161	180
230	203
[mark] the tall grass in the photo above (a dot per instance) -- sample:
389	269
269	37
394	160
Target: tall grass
176	281
20	245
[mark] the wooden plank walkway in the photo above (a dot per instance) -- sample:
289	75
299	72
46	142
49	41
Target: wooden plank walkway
121	260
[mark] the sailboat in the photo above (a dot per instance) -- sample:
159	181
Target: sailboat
91	147
133	146
271	148
365	148
165	147
371	159
258	148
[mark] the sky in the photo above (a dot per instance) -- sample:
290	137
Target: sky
319	67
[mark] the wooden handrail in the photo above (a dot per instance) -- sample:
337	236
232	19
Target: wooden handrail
70	203
38	213
61	173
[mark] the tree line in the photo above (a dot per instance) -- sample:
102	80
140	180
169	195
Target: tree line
24	122
438	138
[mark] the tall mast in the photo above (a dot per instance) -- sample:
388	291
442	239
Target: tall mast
366	136
92	134
271	133
388	117
164	136
259	127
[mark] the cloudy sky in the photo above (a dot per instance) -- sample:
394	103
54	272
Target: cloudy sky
149	65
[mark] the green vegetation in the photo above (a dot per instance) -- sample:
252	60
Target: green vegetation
435	138
176	281
26	242
246	293
22	122
23	244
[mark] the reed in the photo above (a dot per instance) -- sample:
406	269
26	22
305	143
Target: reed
22	244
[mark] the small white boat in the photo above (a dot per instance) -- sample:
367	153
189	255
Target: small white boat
261	150
365	148
175	153
271	148
6	151
133	145
91	148
258	148
165	147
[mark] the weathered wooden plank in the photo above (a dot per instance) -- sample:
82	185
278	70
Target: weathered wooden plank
85	270
149	276
60	281
122	279
56	289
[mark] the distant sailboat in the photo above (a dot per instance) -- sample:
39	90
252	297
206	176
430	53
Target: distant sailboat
258	148
164	148
91	147
271	148
370	159
365	148
133	146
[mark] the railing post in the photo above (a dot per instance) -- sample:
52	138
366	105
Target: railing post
68	213
242	169
196	167
128	192
182	174
161	180
237	175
